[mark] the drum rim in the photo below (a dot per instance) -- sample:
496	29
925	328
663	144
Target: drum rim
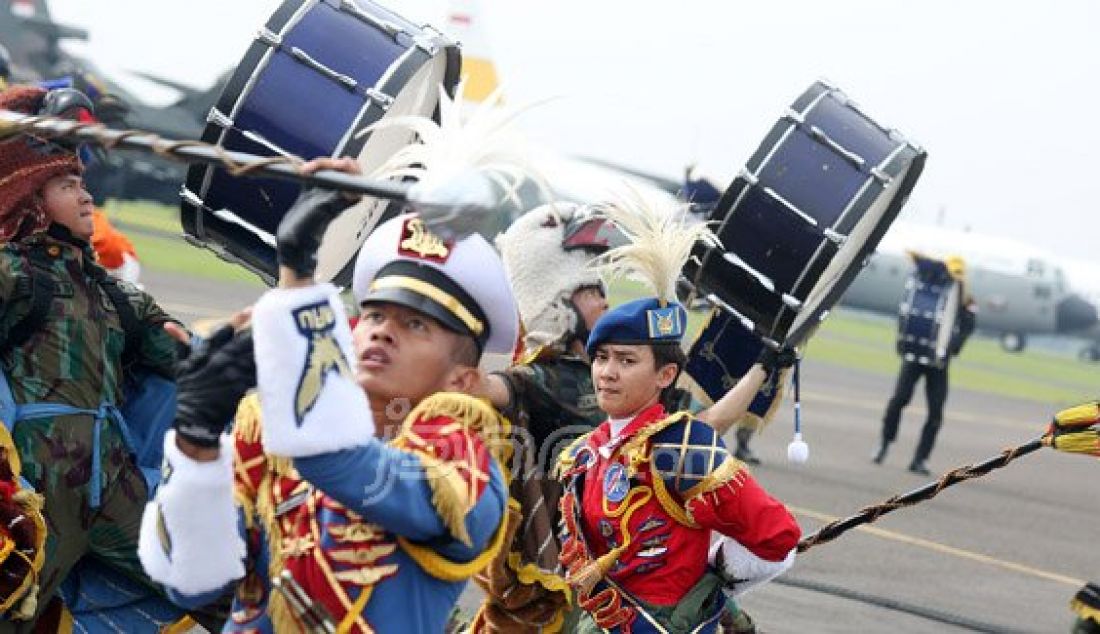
198	178
415	58
239	87
906	157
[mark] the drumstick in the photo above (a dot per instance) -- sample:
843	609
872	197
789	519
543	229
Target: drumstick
243	164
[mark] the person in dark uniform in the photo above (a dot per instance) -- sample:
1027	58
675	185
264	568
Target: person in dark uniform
935	380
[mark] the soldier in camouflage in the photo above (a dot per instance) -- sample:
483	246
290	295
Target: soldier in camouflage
70	355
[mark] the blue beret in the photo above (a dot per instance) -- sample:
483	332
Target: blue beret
642	321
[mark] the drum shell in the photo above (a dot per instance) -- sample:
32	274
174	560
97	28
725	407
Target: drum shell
288	106
830	190
927	315
720	356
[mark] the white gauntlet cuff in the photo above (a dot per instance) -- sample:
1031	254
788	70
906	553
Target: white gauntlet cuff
190	540
742	569
305	368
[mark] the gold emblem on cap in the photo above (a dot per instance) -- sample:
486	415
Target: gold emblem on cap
665	325
423	242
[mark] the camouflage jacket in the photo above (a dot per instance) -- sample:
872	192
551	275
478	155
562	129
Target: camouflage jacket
75	357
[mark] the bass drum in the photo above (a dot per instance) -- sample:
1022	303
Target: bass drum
927	314
318	73
810	205
725	351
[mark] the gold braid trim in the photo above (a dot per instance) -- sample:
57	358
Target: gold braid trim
731	470
473	414
1084	611
10	452
445	569
529	574
566	460
669	503
246	424
282	617
26	595
452	495
635	448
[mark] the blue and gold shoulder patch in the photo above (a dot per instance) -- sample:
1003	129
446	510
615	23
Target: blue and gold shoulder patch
690	457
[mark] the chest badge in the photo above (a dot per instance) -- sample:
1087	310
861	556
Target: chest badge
615	483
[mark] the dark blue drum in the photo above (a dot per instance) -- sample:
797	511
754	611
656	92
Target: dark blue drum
723	353
927	314
317	73
798	222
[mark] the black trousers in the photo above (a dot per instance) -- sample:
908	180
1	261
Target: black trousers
935	388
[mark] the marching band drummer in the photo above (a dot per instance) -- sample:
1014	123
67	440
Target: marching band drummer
547	254
644	490
359	534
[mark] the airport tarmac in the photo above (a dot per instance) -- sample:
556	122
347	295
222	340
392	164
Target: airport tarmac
1003	553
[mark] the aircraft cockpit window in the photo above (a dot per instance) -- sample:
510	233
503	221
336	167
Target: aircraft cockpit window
1035	268
1042	291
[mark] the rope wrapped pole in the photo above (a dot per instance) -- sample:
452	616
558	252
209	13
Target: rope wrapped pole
235	163
871	513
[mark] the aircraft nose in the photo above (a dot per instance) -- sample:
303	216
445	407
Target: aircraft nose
1074	313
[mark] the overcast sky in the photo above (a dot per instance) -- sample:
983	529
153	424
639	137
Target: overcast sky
1001	94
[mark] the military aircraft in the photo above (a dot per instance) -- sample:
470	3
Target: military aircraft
1020	289
34	41
1083	277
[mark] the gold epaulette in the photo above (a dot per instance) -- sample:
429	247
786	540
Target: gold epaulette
454	494
445	569
566	460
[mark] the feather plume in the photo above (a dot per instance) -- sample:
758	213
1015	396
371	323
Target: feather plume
482	140
660	236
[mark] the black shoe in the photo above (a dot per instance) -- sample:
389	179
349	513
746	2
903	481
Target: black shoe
918	467
880	453
744	454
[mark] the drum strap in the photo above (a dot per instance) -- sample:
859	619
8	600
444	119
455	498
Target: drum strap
41	287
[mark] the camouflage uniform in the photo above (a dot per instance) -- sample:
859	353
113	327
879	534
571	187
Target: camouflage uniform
552	399
83	465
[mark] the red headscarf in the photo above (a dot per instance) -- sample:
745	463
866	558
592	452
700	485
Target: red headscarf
26	164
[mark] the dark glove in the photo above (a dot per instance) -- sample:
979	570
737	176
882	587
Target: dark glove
212	381
301	229
777	359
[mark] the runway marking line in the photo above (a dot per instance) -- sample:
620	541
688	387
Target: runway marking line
947	550
916	409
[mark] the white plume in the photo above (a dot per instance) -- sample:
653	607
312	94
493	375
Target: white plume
482	140
660	236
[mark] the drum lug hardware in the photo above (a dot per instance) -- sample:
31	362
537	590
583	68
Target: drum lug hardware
791	302
847	154
269	37
883	177
304	57
426	44
391	29
746	323
383	100
836	238
795	116
191	198
789	205
218	118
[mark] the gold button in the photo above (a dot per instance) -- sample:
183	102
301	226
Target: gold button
54	250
